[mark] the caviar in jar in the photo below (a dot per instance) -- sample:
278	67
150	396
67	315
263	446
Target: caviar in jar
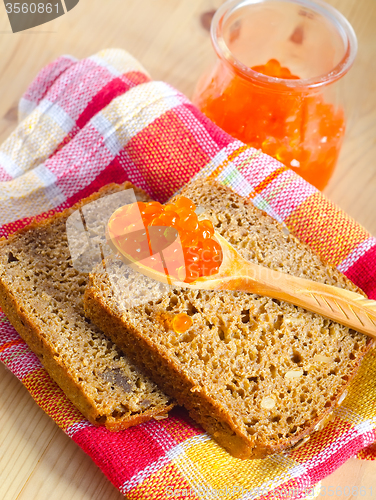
275	85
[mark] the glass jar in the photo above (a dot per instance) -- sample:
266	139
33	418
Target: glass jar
275	84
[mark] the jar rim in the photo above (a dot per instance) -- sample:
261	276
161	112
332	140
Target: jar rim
330	13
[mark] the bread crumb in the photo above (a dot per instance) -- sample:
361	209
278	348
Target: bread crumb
243	347
38	275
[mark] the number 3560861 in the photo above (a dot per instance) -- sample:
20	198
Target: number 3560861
32	8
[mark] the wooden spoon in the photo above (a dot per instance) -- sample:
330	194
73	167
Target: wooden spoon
235	273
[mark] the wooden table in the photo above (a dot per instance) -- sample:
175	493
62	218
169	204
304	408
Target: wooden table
37	460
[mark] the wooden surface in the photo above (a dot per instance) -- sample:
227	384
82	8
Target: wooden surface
37	460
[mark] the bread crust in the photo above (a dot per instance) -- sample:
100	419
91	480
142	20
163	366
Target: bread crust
29	330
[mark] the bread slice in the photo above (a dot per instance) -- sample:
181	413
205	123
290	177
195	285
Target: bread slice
42	295
258	374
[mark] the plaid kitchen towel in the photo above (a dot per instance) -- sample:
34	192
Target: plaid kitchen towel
99	120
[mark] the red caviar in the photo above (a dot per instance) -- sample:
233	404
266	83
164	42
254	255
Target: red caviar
295	126
157	230
181	323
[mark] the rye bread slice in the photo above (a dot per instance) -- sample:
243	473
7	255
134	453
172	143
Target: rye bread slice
42	295
258	374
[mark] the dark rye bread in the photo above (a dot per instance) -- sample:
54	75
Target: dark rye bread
258	374
42	295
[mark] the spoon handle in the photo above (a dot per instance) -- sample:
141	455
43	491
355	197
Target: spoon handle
354	311
343	306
